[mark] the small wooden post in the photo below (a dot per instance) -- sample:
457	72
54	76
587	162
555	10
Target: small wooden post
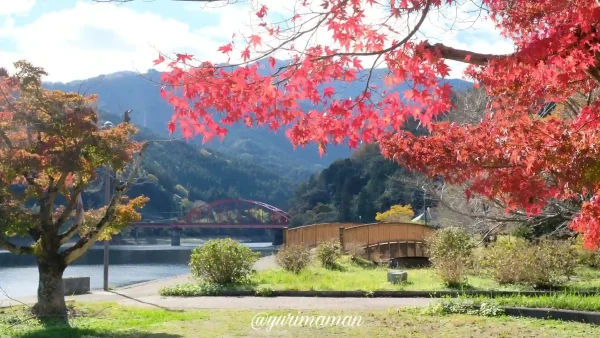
285	237
342	238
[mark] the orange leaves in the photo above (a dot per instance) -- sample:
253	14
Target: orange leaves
184	57
159	60
262	12
67	137
255	40
246	54
509	157
226	48
328	92
171	126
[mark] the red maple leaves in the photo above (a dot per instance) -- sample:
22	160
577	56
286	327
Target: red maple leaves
509	157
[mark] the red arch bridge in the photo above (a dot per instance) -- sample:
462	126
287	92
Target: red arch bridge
223	214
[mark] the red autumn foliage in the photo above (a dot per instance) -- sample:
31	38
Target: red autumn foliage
512	156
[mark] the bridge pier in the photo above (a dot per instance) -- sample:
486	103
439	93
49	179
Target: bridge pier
175	236
278	237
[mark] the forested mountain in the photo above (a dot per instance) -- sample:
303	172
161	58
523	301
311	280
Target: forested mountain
140	92
354	190
250	163
177	173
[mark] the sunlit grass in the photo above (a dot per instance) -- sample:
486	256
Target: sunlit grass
566	301
353	277
111	320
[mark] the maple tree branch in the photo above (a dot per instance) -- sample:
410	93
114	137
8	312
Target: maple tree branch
390	48
15	249
72	201
84	243
464	56
125	1
79	221
488	233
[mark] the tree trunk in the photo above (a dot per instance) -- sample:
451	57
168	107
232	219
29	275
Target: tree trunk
51	295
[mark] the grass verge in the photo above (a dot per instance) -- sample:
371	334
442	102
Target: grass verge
111	320
350	276
568	301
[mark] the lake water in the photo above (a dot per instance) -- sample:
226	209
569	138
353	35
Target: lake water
22	281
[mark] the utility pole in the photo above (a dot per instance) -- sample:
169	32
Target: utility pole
107	125
106	243
424	205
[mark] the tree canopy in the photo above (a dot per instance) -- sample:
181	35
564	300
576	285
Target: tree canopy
51	149
513	157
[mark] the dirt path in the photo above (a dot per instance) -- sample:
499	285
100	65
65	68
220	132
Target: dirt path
146	295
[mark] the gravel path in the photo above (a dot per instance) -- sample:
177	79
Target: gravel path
146	295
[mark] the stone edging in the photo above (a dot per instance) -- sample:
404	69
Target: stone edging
545	313
398	294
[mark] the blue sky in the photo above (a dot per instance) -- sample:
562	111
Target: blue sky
78	39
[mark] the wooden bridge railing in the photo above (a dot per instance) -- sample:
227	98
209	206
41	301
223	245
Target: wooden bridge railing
357	234
368	234
311	235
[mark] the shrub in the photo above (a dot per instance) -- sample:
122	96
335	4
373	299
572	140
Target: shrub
355	250
293	258
328	253
450	250
556	259
264	291
541	265
222	261
507	260
191	290
587	257
463	306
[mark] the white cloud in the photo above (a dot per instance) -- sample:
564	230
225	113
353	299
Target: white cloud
91	39
10	7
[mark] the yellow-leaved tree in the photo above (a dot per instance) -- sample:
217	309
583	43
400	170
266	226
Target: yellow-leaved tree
397	213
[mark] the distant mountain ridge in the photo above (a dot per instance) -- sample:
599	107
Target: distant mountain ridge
141	93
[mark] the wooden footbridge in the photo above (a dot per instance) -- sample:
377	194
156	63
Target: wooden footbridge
381	241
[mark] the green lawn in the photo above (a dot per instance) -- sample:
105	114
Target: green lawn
354	277
351	276
561	301
110	320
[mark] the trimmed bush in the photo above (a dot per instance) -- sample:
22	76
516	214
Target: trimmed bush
264	291
222	262
451	251
294	258
328	253
468	306
190	290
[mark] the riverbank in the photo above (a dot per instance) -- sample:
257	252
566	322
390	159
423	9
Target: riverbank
146	291
128	265
130	254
